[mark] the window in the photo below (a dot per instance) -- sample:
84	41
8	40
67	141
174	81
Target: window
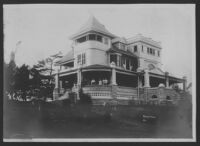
158	53
113	58
106	41
127	63
122	46
81	59
92	37
82	39
153	51
148	50
99	38
123	62
118	60
154	97
135	48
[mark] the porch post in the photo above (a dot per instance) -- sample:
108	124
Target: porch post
184	83
167	79
146	78
79	76
56	91
78	82
113	81
60	84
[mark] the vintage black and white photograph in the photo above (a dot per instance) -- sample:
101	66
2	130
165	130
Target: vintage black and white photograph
99	72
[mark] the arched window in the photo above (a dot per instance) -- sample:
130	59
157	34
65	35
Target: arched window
168	97
154	97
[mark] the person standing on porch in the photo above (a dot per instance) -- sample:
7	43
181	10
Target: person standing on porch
92	82
100	82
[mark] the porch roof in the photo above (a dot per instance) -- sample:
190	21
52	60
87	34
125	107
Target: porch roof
68	57
96	67
128	72
115	49
171	78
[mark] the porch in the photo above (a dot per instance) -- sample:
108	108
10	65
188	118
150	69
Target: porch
104	83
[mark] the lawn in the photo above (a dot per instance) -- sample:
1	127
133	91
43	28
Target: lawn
25	120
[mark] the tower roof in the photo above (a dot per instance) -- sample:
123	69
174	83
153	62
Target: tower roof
92	25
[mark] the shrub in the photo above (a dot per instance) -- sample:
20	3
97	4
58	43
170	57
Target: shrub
84	98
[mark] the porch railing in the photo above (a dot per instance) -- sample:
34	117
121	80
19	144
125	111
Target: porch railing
98	91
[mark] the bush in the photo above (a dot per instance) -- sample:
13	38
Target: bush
84	98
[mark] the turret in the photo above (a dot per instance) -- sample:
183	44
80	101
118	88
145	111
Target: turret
90	43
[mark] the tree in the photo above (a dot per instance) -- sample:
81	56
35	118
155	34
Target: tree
22	78
10	71
43	74
45	66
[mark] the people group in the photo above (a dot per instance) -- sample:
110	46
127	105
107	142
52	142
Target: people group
99	82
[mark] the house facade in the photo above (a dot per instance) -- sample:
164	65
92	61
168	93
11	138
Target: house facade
110	67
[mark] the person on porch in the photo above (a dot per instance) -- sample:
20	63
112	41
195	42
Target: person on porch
100	82
105	81
92	82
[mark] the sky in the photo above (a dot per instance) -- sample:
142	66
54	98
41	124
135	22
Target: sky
44	30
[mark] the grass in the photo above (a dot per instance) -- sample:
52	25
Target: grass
24	120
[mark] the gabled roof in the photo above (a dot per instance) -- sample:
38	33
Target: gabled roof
115	49
68	57
157	70
93	25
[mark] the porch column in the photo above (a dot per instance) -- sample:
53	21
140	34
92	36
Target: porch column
113	80
60	84
78	82
146	78
79	76
184	83
56	88
167	79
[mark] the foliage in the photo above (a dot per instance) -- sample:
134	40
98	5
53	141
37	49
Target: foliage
9	76
22	78
30	80
176	88
45	66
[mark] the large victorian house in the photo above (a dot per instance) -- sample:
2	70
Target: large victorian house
110	67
